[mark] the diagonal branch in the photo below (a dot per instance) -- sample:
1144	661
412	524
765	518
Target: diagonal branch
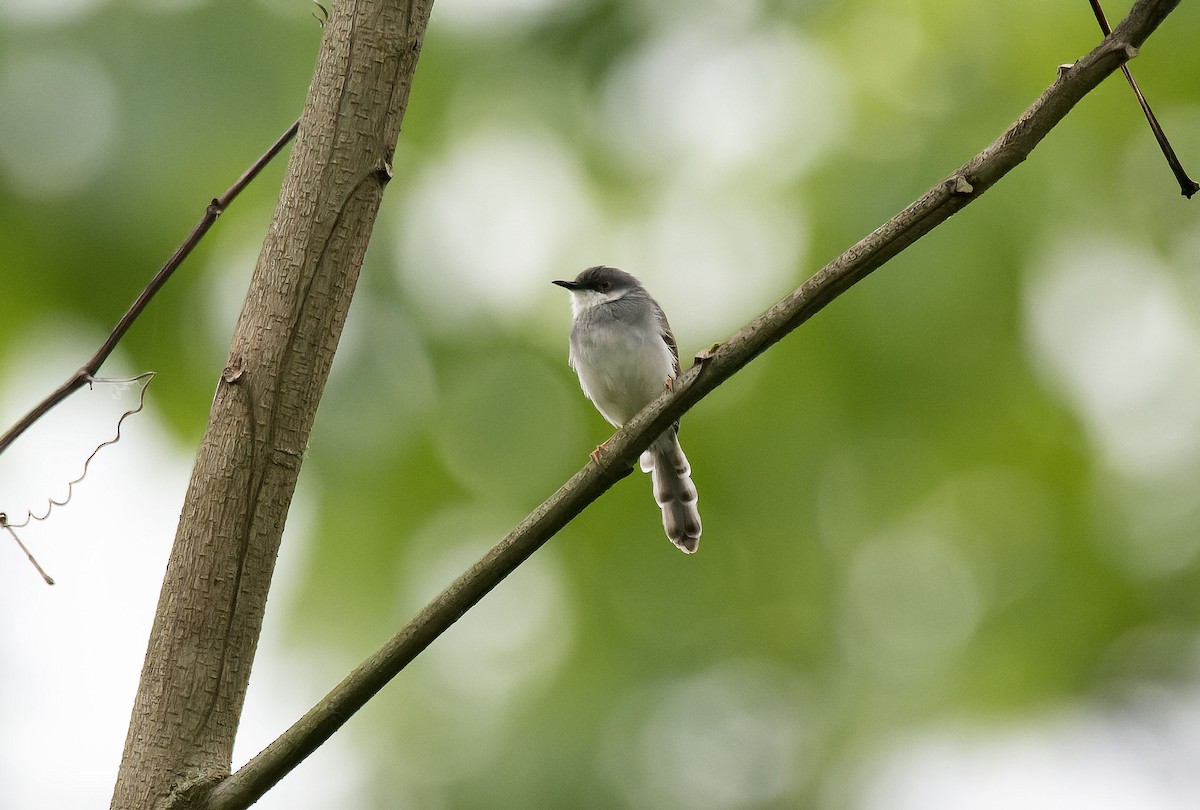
88	370
712	367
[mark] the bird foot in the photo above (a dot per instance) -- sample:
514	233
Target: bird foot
600	448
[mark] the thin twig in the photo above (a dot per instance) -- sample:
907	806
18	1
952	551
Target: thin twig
712	367
88	370
4	524
1187	186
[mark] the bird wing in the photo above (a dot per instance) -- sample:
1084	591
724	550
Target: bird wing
668	338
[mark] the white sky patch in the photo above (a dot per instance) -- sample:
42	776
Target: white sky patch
1108	326
72	653
1086	759
705	98
1113	333
738	735
107	550
495	17
488	226
286	682
711	257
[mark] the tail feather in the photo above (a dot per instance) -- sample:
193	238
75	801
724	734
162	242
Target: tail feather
674	490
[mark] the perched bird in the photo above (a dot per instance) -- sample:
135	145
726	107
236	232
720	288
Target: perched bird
624	353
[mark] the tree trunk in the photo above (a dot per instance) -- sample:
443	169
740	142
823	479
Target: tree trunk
210	611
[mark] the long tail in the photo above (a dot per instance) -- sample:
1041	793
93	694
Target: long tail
674	490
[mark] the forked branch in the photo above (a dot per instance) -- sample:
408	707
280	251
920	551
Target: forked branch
712	367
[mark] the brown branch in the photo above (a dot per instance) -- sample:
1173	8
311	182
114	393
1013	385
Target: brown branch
1187	186
88	370
214	593
712	367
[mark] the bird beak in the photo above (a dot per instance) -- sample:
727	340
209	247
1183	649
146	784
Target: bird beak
570	285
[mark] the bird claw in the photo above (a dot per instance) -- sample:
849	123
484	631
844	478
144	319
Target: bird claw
600	448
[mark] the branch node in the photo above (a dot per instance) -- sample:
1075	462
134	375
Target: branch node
1063	70
1130	51
703	356
193	792
383	171
960	185
85	374
233	373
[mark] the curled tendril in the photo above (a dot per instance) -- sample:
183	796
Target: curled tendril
30	515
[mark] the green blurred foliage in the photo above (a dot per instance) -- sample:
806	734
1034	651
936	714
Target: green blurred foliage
909	515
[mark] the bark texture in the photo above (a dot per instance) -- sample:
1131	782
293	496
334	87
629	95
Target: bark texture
210	610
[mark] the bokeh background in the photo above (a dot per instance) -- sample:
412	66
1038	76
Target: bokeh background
952	525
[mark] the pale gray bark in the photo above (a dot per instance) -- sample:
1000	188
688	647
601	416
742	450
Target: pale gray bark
210	610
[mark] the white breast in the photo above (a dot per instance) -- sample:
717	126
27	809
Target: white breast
621	368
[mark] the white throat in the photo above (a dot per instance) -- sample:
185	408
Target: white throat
583	300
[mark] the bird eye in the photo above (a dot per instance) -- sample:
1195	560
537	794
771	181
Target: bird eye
603	286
